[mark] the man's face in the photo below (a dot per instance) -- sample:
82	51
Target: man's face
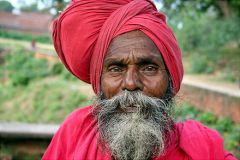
133	63
134	80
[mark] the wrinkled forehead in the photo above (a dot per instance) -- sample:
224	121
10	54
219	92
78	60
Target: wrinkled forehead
128	41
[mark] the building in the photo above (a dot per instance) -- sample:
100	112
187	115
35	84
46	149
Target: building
29	22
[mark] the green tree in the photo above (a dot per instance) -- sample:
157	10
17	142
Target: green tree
57	5
224	8
6	6
208	32
30	8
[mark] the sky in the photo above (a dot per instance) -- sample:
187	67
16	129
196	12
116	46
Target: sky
15	3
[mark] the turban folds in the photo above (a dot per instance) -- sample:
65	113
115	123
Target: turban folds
83	32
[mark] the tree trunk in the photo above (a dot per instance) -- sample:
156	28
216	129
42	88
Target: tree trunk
224	8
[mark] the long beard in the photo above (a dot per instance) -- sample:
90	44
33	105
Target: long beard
137	135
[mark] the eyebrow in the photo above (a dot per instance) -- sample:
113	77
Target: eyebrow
113	61
141	61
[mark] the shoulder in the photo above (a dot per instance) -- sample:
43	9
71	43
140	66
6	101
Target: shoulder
77	116
64	141
194	129
199	141
76	121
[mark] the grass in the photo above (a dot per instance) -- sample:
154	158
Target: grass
24	36
35	91
47	100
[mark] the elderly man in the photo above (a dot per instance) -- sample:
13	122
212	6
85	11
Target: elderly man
127	52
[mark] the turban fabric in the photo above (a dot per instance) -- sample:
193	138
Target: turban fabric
83	32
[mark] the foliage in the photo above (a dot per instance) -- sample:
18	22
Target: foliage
224	8
6	6
199	64
57	68
204	28
229	64
47	100
36	91
22	67
47	6
67	75
8	152
196	34
25	37
30	8
203	37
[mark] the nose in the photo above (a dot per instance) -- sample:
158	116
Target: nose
131	80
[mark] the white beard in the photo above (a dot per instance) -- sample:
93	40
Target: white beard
136	135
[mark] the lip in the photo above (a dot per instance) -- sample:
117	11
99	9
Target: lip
130	109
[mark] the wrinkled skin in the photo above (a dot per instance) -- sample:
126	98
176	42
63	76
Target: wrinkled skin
133	62
133	109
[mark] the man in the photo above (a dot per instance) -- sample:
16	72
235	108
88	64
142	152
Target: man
127	52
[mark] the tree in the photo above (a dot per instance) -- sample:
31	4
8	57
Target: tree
57	5
6	6
30	8
207	32
224	8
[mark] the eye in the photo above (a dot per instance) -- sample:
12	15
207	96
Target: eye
115	69
150	68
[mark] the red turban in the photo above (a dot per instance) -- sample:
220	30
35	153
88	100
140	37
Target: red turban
83	32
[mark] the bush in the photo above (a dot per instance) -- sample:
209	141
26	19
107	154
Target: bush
22	67
205	35
207	118
68	76
47	100
57	68
25	36
224	124
200	64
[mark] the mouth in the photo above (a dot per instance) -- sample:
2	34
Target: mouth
130	109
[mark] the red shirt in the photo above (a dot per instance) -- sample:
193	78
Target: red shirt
76	139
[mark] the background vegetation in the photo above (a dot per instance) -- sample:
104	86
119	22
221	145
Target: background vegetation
209	35
33	90
25	37
36	91
207	30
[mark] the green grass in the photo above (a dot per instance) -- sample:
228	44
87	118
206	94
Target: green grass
36	91
47	100
26	37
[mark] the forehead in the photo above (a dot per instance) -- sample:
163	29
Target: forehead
135	42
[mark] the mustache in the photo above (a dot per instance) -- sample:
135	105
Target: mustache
144	104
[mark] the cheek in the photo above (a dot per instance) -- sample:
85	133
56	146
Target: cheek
110	85
155	86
